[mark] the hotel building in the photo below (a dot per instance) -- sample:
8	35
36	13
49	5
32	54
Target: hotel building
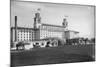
41	31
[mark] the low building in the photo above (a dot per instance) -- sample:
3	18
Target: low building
70	34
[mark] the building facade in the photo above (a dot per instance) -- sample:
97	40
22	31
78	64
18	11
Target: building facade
40	31
70	34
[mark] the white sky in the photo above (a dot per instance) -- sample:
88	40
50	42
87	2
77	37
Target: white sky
81	18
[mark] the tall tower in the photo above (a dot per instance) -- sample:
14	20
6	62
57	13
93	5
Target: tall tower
37	24
37	19
65	23
15	28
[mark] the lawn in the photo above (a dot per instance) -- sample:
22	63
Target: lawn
54	55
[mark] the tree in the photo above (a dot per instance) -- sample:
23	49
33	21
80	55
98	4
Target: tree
20	44
86	40
93	40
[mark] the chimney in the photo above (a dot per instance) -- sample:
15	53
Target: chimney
15	28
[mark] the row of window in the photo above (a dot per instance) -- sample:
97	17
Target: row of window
52	28
50	34
30	35
24	36
24	30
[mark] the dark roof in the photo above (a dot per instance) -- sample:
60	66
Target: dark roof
24	28
72	31
52	25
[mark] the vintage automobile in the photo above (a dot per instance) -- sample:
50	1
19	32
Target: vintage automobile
28	46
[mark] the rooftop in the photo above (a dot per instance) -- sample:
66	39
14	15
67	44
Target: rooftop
72	31
52	25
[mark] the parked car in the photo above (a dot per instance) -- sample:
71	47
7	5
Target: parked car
28	46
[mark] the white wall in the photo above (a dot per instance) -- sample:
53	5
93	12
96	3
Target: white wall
46	33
